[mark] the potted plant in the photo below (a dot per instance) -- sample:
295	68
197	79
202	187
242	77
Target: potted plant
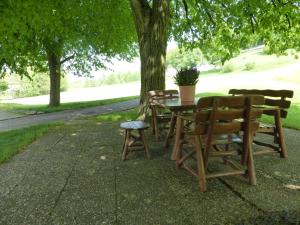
186	79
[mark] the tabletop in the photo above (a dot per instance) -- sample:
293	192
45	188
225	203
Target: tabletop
176	104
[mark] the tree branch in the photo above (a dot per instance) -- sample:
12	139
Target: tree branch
186	8
141	15
208	13
67	59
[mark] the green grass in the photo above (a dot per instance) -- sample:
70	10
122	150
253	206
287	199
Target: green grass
63	106
11	142
292	120
119	116
258	61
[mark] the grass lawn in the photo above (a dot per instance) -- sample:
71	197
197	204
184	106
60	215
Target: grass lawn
11	142
63	106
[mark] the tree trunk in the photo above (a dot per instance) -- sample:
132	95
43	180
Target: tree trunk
54	69
151	24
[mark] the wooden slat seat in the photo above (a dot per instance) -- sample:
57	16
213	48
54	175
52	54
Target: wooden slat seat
276	105
216	122
159	117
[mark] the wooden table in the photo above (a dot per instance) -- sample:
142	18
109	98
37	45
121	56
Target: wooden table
176	106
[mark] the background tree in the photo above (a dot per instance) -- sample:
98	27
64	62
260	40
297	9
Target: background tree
218	28
151	20
178	59
68	35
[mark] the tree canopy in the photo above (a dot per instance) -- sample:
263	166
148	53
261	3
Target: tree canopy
221	28
73	35
79	35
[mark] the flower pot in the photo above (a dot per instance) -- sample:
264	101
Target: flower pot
187	93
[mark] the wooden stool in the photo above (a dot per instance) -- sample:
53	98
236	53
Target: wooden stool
132	142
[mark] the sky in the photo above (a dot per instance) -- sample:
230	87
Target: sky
119	66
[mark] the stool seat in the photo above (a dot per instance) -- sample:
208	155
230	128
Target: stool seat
134	125
133	142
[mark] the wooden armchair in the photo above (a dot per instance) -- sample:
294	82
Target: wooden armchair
159	117
217	119
276	105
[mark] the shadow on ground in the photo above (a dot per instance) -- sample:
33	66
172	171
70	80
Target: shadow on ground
74	175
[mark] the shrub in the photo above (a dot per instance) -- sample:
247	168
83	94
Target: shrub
249	66
131	77
3	85
39	85
228	67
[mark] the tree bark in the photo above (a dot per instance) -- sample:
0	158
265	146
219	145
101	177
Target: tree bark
151	24
54	69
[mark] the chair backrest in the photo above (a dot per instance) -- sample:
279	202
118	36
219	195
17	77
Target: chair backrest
272	98
162	94
227	114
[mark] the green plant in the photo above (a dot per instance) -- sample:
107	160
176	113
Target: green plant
184	58
186	77
249	66
228	67
3	85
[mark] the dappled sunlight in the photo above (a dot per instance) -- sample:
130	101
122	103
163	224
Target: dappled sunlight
292	187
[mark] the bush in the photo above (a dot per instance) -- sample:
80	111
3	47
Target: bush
228	67
249	66
3	85
119	78
63	83
131	77
39	85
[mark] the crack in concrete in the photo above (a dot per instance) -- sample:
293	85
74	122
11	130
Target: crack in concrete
115	187
57	199
240	196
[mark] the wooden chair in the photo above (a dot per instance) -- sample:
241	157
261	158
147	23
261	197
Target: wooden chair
216	121
159	117
276	106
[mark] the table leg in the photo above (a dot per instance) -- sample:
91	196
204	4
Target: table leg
176	147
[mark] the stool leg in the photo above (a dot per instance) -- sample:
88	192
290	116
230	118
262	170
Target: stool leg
126	143
124	140
143	137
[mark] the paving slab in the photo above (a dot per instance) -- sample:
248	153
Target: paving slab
74	175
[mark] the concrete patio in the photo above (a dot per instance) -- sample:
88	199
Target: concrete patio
74	175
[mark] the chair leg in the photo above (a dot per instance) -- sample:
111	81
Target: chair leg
145	143
152	121
156	130
283	152
125	145
200	164
250	163
171	130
